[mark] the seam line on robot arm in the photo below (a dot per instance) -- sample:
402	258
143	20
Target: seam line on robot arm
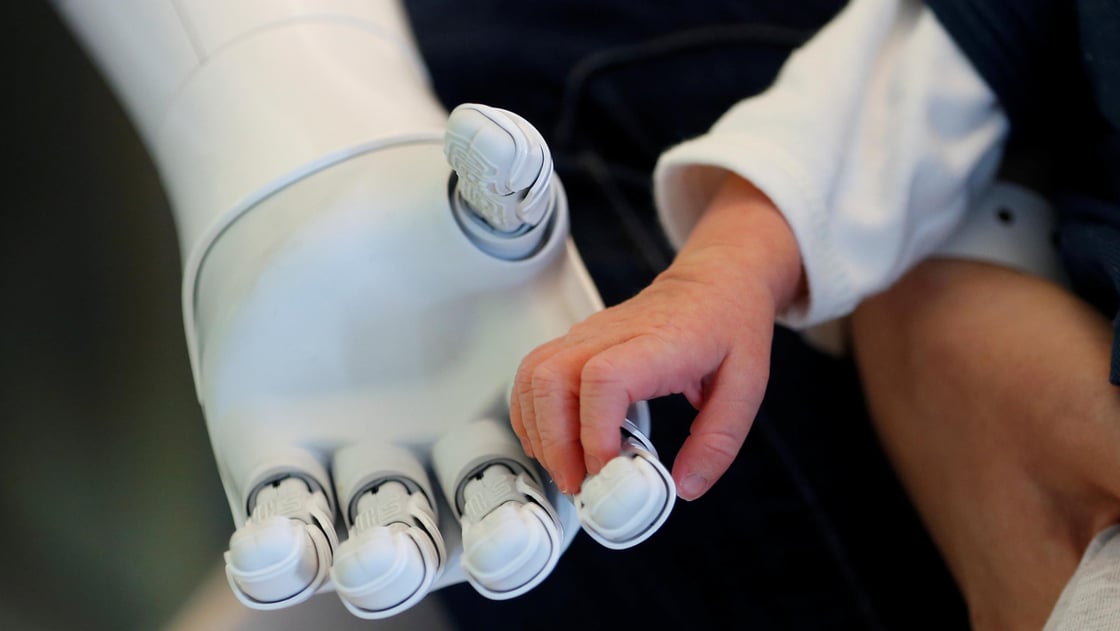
225	220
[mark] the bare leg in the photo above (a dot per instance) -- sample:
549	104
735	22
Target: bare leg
989	390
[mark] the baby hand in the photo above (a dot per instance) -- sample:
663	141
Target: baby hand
702	328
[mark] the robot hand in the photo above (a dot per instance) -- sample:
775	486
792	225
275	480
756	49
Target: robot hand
363	274
366	338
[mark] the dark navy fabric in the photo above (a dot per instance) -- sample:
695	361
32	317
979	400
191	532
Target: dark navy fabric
809	529
1055	66
1090	239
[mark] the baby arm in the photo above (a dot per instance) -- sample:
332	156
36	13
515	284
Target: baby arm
702	328
872	141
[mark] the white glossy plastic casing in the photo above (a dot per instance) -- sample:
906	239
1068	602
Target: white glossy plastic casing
330	298
630	498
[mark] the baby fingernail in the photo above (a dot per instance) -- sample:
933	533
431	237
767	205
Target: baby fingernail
693	486
594	465
560	484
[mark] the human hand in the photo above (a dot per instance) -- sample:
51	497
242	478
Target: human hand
1004	432
702	328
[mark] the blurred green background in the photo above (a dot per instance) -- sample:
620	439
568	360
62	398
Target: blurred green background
113	514
112	507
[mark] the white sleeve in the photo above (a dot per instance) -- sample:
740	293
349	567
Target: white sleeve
1090	601
873	141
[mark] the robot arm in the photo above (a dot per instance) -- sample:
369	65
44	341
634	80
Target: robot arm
238	100
363	271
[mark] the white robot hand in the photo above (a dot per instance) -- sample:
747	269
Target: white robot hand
346	326
362	275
